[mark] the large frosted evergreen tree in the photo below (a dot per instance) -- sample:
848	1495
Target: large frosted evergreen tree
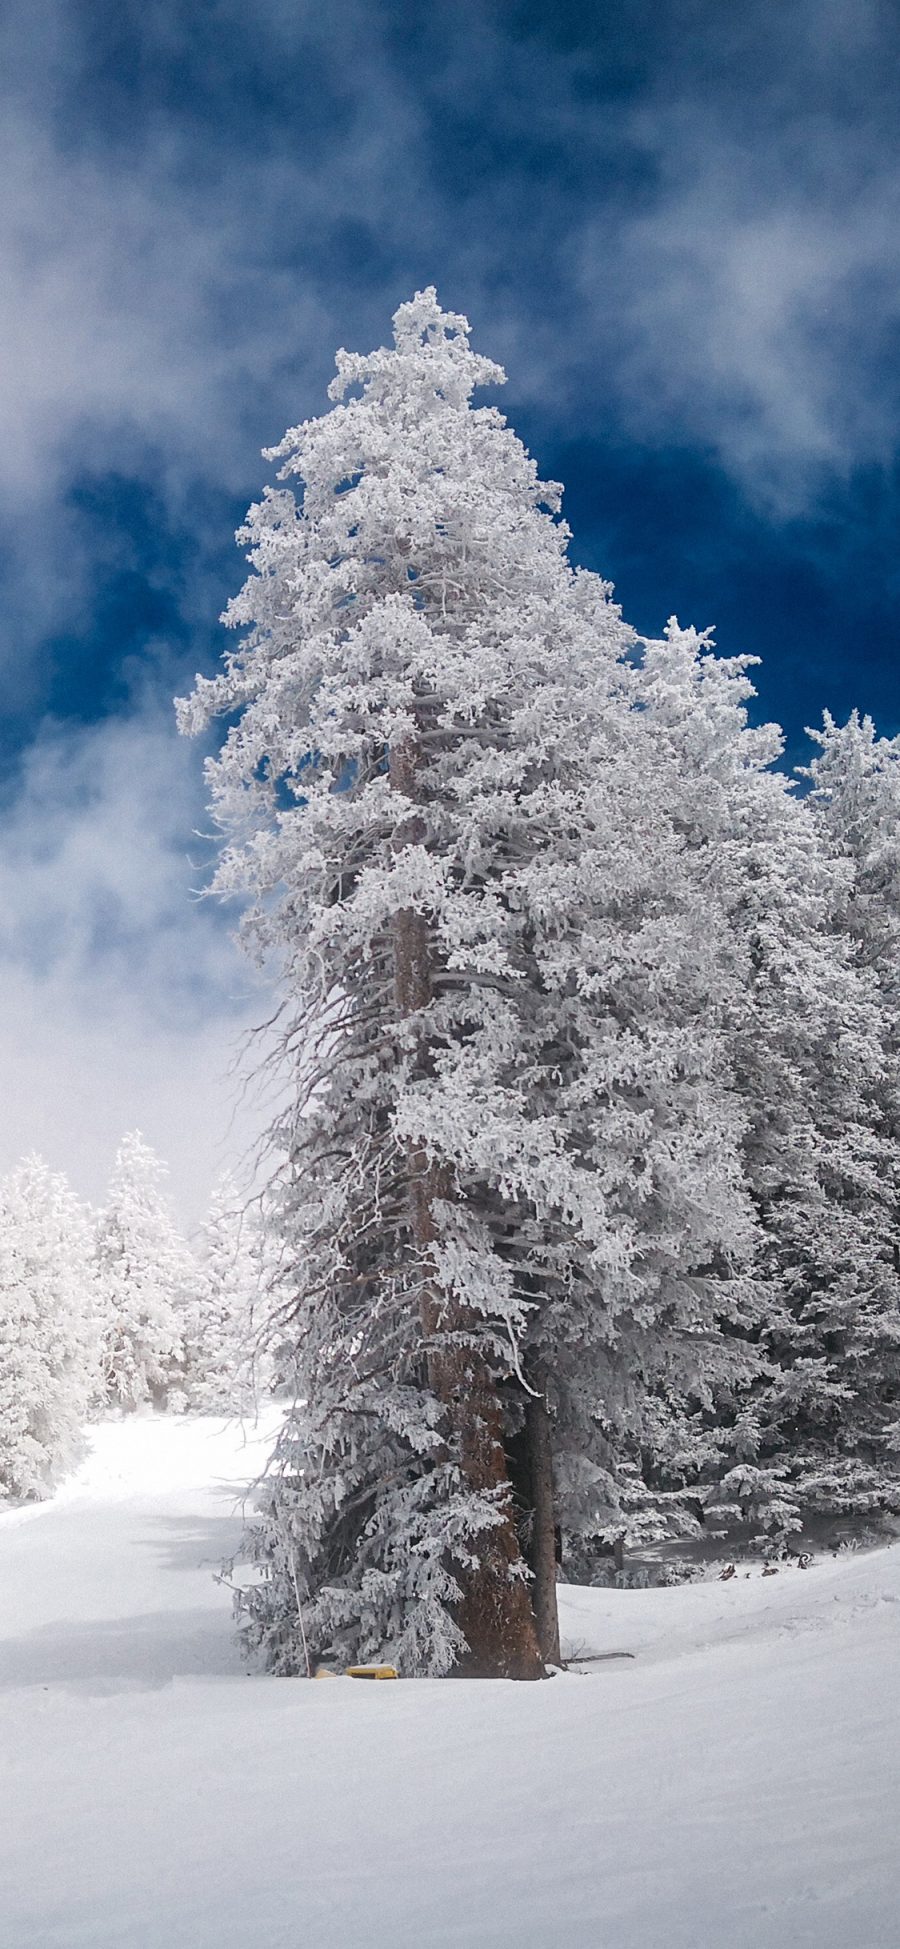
48	1329
512	1200
147	1279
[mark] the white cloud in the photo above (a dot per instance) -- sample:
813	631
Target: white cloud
122	999
149	296
745	324
749	304
78	1069
108	313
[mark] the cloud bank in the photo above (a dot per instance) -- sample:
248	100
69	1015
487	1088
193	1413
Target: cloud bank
124	999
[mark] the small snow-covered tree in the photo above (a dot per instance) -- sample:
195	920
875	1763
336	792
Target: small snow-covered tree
49	1346
223	1367
856	795
512	1187
656	1300
147	1278
805	1028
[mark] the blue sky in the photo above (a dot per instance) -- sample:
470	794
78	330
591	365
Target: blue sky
675	222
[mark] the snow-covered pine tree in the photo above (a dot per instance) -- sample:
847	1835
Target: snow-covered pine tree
805	1034
501	1177
654	1302
147	1279
49	1343
223	1369
856	795
856	792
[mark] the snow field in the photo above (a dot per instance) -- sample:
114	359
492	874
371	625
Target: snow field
734	1786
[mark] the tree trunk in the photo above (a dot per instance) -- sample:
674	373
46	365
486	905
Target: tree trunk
543	1530
495	1614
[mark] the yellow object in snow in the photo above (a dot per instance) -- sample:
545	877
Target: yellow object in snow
359	1671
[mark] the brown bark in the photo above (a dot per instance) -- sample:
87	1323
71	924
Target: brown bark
495	1614
543	1521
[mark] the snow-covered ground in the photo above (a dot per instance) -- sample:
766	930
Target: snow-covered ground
734	1785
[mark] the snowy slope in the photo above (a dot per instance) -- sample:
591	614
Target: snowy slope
735	1785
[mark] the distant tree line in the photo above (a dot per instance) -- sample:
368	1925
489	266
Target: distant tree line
114	1310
